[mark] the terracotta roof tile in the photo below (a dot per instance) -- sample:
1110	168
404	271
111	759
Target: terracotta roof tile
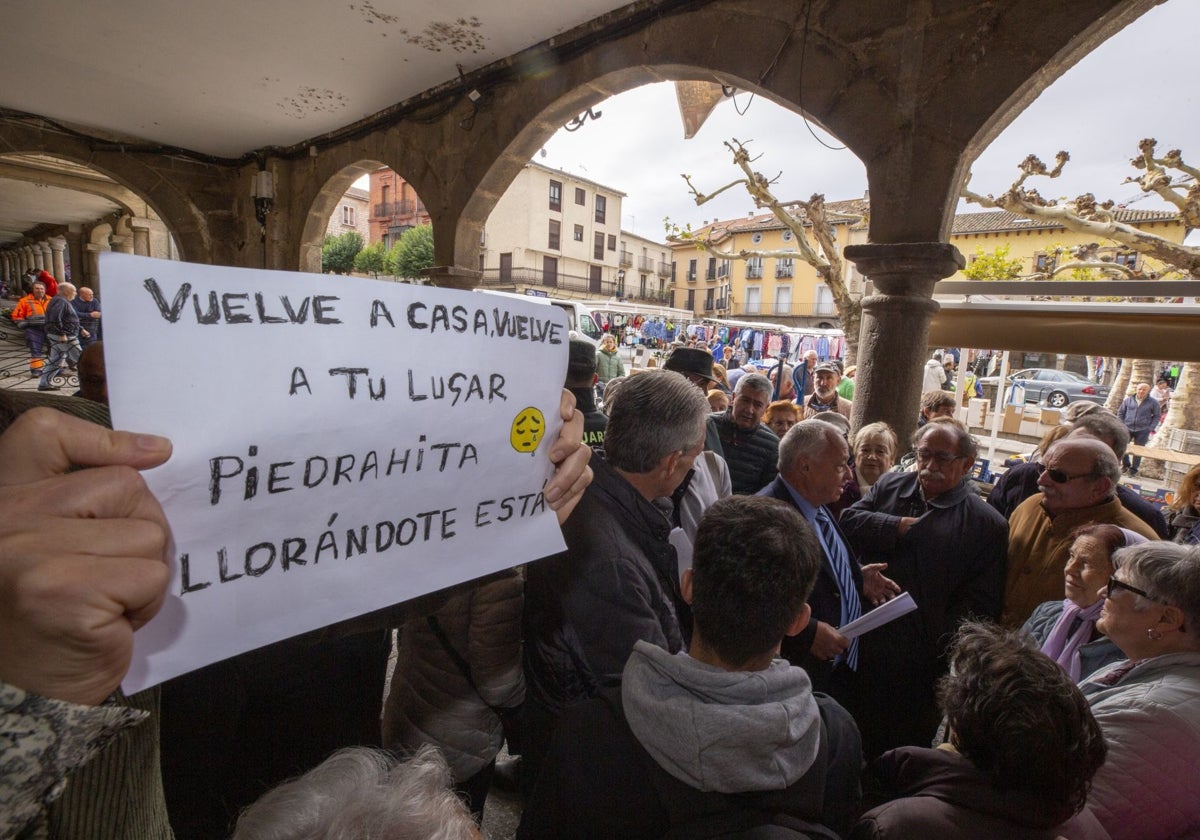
1000	220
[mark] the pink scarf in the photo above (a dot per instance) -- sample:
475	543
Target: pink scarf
1064	648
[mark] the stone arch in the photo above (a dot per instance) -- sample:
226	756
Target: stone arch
533	135
169	186
911	93
1099	31
321	204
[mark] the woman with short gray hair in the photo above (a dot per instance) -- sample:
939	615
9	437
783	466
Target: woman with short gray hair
361	793
1148	706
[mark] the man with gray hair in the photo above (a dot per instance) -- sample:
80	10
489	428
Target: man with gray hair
750	448
813	464
618	581
1078	483
946	547
62	332
1140	413
1021	481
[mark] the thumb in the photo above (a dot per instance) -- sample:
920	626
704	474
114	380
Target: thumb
43	442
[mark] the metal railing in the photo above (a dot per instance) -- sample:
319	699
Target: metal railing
406	207
569	283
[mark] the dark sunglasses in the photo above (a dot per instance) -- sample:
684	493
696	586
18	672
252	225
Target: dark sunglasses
1114	584
1060	477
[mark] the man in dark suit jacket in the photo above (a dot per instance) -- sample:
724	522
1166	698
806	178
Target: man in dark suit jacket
813	460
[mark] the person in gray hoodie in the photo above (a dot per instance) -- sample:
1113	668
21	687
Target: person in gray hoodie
726	737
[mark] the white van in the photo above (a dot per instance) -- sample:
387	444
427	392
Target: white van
579	318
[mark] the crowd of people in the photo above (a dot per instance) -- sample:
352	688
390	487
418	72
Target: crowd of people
680	669
58	320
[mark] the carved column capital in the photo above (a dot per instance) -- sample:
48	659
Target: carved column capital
895	327
907	268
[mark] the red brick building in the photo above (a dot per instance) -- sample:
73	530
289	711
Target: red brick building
395	207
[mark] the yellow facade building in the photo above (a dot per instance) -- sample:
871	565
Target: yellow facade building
1041	247
787	288
778	286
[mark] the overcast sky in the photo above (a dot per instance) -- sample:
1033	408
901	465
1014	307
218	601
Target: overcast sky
1098	111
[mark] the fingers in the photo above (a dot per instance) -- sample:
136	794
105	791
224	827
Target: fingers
571	478
99	508
43	442
566	405
572	474
570	437
68	618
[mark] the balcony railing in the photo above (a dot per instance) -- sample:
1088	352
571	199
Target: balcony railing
753	272
664	269
691	277
710	274
820	309
645	264
574	283
387	209
625	260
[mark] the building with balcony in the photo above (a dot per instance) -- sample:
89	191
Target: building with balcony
560	233
1043	246
787	288
783	288
395	207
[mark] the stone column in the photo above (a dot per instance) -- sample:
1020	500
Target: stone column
57	246
75	258
47	258
122	244
93	263
894	338
141	236
30	257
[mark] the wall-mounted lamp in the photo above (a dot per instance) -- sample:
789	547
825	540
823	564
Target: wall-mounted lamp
263	190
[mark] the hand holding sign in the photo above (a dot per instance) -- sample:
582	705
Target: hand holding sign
340	447
572	474
82	554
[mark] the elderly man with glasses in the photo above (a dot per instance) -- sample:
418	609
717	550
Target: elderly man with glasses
946	546
1078	485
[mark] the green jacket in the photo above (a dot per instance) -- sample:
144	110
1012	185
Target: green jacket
609	364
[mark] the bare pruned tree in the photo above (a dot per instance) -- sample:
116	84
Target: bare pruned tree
1170	178
812	227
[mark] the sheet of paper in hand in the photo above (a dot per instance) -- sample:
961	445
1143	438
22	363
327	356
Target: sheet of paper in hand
340	444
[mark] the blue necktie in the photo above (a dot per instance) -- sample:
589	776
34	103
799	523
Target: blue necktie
839	559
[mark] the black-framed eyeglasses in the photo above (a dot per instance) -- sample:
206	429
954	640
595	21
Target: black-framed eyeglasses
940	457
1113	584
1060	477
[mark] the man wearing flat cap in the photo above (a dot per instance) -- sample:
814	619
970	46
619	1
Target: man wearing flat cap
825	396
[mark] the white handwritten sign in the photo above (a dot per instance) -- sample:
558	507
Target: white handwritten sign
341	445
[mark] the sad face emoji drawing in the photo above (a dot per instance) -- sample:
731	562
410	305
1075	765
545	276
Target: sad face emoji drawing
527	429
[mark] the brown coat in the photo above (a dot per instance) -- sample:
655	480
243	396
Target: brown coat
1038	547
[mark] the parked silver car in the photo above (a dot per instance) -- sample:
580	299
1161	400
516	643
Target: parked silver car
1055	388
